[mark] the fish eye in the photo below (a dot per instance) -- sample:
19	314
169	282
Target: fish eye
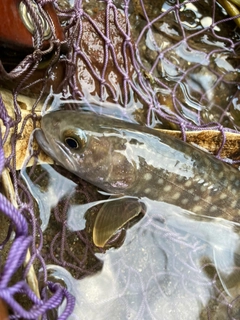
71	142
75	139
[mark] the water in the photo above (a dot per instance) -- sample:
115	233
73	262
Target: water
172	264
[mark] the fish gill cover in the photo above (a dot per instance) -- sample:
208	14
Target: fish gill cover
166	64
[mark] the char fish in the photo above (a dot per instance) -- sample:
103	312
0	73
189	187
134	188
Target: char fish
131	160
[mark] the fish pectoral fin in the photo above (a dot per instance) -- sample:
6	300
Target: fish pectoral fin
113	216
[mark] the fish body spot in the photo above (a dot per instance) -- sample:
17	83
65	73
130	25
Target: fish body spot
233	204
213	208
147	176
223	196
220	175
167	188
184	201
180	178
209	199
160	181
196	198
188	183
176	196
197	208
147	190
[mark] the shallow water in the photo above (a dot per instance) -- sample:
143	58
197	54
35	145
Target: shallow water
172	265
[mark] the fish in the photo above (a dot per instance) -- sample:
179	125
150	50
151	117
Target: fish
124	158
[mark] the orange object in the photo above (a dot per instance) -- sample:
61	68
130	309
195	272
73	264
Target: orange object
17	29
3	310
14	33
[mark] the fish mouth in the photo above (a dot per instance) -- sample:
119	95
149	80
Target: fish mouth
68	158
55	150
43	142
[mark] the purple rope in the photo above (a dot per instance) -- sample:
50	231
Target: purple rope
16	258
2	158
11	212
40	307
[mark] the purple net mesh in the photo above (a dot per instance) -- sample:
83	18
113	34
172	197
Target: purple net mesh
165	64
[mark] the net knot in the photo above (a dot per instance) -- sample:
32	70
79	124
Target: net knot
107	41
37	55
79	12
76	49
177	6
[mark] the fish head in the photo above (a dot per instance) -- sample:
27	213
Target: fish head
85	144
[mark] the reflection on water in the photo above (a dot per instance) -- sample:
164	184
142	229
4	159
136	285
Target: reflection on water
172	265
47	197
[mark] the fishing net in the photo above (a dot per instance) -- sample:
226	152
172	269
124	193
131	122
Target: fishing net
166	64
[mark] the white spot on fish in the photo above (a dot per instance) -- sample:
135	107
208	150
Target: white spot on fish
188	183
197	209
167	188
223	196
233	204
176	196
196	198
180	178
184	201
208	199
147	190
147	176
220	175
213	208
160	181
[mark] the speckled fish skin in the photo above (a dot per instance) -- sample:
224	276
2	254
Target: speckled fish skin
125	158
